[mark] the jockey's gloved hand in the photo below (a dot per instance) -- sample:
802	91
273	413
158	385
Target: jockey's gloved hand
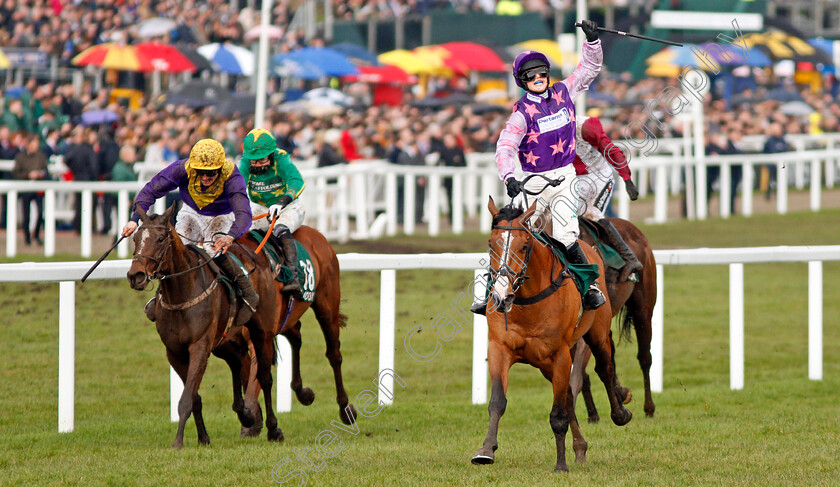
590	28
274	210
632	191
514	187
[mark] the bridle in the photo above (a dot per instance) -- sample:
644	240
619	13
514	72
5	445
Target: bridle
160	257
504	269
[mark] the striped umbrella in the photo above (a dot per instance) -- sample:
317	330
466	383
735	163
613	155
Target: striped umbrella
229	58
147	57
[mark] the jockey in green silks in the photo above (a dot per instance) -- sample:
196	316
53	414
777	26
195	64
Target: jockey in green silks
274	185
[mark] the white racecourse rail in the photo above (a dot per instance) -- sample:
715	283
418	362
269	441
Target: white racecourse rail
68	272
365	193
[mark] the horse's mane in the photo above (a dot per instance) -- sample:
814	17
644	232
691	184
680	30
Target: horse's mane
507	213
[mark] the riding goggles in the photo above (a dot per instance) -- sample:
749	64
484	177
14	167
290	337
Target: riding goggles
532	74
209	173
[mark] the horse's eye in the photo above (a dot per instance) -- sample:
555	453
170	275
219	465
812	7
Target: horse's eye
160	239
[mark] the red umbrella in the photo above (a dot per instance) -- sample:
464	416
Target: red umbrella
476	57
385	73
146	57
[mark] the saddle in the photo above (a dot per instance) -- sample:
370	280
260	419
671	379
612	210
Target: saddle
582	275
611	257
277	260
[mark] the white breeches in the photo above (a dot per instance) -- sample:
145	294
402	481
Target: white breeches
201	229
560	201
291	216
595	191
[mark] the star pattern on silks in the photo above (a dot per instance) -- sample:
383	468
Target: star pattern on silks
558	147
531	109
573	145
572	115
558	97
532	136
531	159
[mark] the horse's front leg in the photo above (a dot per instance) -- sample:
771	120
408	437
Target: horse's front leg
264	346
499	361
199	353
232	354
562	412
600	342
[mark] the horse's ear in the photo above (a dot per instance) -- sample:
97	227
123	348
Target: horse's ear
531	209
491	205
142	213
167	215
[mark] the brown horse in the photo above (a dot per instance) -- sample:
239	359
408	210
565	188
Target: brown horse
538	318
326	304
196	314
636	299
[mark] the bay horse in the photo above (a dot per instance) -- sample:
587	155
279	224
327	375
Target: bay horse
196	314
326	306
633	302
537	321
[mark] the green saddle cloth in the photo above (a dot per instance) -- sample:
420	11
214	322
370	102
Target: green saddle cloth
611	258
582	274
306	271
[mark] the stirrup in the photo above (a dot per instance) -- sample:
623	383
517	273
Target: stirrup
594	298
149	309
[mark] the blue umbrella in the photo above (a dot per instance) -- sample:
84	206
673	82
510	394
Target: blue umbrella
356	53
96	117
826	45
734	55
331	62
285	65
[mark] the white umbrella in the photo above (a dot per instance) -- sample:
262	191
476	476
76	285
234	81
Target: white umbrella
796	108
154	27
274	33
229	58
327	96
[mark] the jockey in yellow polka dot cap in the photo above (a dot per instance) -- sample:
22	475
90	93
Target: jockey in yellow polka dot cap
216	210
274	184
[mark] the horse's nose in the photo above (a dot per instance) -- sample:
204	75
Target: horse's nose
137	279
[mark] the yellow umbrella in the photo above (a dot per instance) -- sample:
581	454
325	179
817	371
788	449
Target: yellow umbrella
550	48
773	43
4	61
663	70
408	61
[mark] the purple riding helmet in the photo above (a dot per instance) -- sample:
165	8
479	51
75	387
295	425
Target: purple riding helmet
525	61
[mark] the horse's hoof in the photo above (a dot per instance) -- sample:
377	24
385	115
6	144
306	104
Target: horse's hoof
204	441
306	396
561	469
622	416
594	419
276	435
177	445
483	458
625	394
343	414
246	418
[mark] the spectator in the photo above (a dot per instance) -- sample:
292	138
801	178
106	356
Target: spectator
774	144
410	155
451	155
31	164
82	161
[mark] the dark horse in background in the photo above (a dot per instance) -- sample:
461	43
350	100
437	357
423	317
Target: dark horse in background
325	305
633	302
197	314
538	318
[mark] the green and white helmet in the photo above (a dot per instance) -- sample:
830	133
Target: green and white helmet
259	143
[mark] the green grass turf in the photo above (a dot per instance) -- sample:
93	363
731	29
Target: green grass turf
781	429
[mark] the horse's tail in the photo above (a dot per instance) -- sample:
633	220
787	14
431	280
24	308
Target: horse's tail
342	320
625	324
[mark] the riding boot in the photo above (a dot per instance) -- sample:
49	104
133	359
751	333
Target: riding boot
290	251
233	271
150	309
593	298
631	263
479	307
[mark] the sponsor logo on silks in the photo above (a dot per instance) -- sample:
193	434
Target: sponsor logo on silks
263	186
555	121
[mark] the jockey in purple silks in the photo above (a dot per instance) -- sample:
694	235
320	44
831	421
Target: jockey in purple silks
216	208
540	135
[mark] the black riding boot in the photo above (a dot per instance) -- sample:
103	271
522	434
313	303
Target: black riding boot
631	263
233	271
290	252
479	307
593	298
